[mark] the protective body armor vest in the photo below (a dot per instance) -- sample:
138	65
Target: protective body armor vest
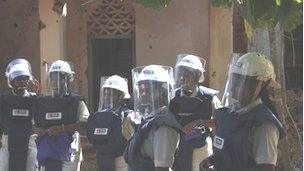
51	111
231	146
104	131
189	109
16	117
16	109
136	161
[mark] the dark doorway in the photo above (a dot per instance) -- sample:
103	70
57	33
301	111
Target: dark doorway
109	57
293	58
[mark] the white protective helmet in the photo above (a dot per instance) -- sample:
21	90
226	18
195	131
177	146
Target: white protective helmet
59	70
17	67
155	73
193	62
245	75
118	83
152	88
61	66
256	64
18	70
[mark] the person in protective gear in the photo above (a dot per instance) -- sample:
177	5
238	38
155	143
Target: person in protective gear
193	105
153	144
109	129
59	117
18	150
247	131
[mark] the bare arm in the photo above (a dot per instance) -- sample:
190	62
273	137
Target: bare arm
74	127
216	103
208	123
65	128
39	131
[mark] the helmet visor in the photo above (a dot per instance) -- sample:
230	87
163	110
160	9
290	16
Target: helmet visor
18	61
186	78
151	93
240	88
18	68
110	99
191	62
58	84
59	77
20	82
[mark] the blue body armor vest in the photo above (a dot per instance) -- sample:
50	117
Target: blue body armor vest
104	131
16	109
189	109
231	146
136	161
16	117
53	111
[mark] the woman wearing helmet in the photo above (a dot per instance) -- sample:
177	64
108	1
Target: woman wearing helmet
247	132
193	105
18	151
108	129
154	142
58	118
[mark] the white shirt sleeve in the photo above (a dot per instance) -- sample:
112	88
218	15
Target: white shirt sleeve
165	142
216	103
265	143
83	112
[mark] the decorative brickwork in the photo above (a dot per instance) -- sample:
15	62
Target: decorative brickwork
111	17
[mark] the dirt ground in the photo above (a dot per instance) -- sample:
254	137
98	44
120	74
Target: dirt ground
295	106
89	163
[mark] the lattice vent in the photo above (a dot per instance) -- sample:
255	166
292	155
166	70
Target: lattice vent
111	17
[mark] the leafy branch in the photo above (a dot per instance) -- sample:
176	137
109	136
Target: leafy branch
267	13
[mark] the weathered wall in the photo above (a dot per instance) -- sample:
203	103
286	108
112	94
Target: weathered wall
19	34
77	47
50	37
159	35
220	46
182	27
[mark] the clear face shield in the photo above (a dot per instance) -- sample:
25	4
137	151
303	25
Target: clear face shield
240	87
151	94
16	62
19	74
186	79
59	84
110	99
188	73
20	83
59	80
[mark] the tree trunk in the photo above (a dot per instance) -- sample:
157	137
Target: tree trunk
270	42
277	58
